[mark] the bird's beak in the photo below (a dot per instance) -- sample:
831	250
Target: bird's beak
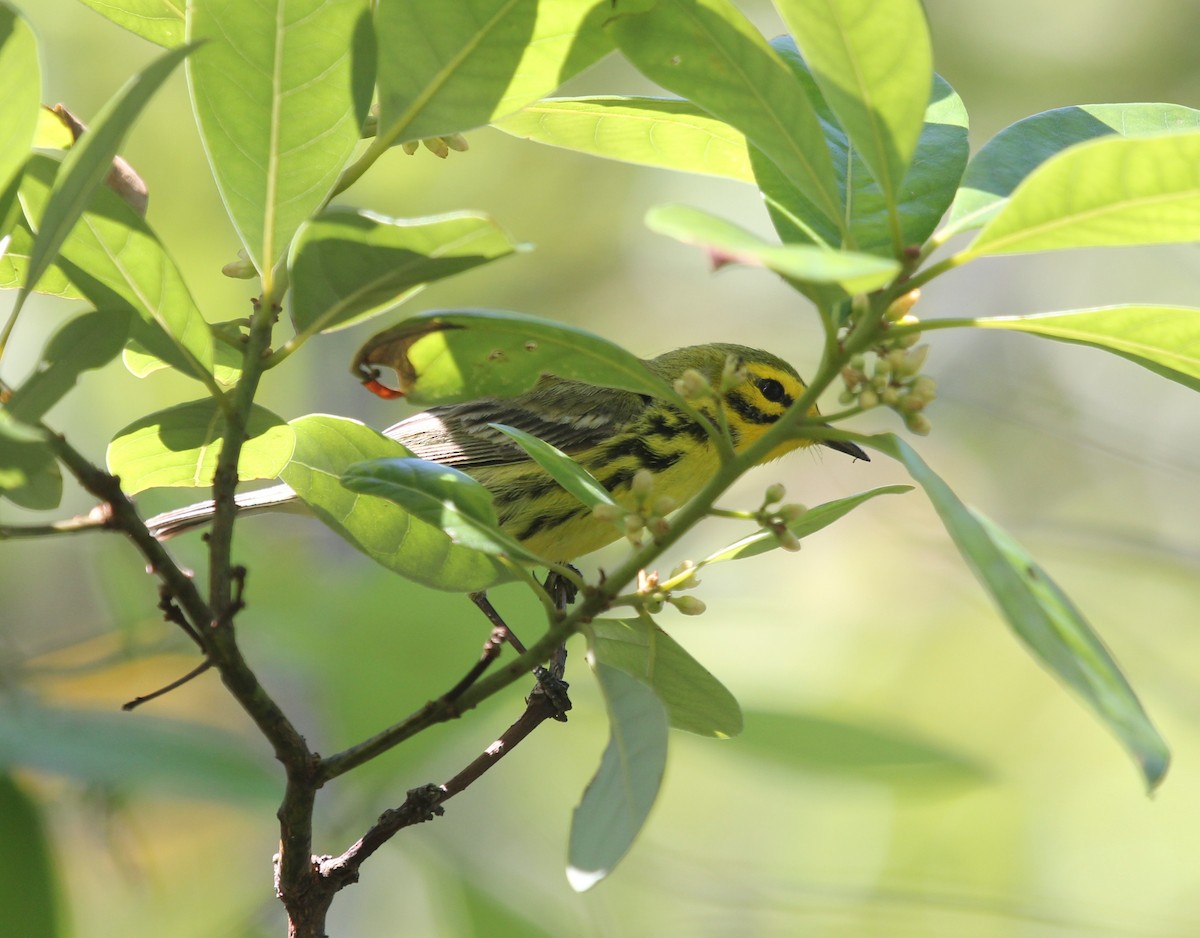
848	448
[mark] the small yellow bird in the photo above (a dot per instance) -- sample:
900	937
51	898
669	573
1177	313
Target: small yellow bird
611	433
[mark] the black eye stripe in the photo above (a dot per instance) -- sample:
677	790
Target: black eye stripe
773	391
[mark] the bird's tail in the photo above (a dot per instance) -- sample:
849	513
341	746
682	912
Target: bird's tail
170	523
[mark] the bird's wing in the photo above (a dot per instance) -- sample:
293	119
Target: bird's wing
568	414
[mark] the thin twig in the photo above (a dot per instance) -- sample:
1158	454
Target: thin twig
203	666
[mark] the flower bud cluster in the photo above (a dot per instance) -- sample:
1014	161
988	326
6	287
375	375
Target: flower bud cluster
648	514
890	373
654	594
776	517
438	146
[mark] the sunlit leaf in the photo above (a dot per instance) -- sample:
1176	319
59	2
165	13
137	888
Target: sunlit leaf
1106	192
180	446
447	356
442	497
445	68
874	65
728	243
695	700
20	93
348	266
1164	339
708	52
280	89
160	21
664	132
385	532
1015	152
619	798
810	522
1041	615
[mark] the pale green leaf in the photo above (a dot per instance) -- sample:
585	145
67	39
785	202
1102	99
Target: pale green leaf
20	93
180	446
450	67
728	243
280	89
874	66
385	532
1015	152
1165	339
1105	192
695	700
348	266
619	798
708	52
160	21
1041	615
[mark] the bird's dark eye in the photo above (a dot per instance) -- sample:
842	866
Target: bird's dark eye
771	389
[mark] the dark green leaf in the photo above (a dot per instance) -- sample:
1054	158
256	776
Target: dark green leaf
695	700
385	532
1041	615
29	473
180	446
29	887
619	798
349	266
280	89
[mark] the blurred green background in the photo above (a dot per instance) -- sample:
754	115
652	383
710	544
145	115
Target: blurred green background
932	781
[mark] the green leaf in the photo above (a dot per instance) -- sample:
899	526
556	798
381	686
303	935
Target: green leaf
14	267
663	132
619	798
927	189
1164	339
17	431
29	888
89	160
809	742
150	350
695	700
449	356
708	52
810	522
280	89
440	496
20	93
1041	615
97	747
180	446
393	537
1015	152
449	67
114	259
348	266
874	66
1109	191
561	467
84	343
160	21
728	243
29	473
